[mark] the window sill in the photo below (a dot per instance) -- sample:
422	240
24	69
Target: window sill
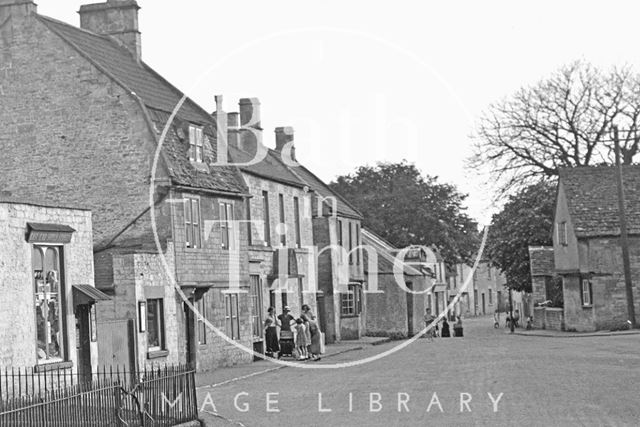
53	366
588	306
156	354
349	316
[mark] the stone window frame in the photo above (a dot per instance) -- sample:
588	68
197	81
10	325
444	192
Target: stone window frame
227	215
62	303
351	301
562	233
159	324
231	315
588	292
266	218
283	219
192	229
196	143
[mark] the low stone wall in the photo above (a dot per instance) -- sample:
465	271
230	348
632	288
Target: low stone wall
548	318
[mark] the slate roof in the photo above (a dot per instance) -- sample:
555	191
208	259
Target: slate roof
592	199
342	205
541	260
160	98
386	256
271	167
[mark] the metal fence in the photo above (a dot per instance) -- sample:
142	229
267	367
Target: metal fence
110	397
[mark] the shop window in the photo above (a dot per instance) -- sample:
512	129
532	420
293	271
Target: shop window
49	294
155	324
232	321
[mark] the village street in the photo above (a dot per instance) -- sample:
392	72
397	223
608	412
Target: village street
544	381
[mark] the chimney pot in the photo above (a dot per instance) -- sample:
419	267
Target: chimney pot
218	102
116	18
284	136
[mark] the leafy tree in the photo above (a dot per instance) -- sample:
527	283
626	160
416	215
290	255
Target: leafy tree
564	120
405	207
525	220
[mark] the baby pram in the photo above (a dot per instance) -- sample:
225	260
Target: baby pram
286	343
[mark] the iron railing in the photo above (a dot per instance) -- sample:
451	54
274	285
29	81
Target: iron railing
110	397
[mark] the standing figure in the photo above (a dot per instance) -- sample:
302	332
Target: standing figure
271	334
445	329
286	334
301	340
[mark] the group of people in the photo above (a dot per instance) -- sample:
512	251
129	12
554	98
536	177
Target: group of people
444	330
301	333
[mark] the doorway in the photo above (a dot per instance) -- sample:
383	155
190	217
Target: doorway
484	309
410	330
190	347
83	340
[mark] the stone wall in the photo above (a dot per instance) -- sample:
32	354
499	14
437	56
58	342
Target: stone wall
69	133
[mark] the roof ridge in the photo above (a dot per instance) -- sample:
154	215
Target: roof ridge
331	190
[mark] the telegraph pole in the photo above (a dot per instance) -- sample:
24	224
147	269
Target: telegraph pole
624	238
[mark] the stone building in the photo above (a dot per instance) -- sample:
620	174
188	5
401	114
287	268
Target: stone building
282	262
489	290
586	246
83	117
337	239
541	263
48	293
398	308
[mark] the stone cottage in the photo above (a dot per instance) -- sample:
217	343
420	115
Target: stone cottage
82	120
337	240
282	262
48	293
398	308
586	246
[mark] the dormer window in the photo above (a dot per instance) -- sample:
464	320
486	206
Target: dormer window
196	144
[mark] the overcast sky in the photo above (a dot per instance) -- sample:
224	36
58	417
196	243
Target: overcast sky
367	81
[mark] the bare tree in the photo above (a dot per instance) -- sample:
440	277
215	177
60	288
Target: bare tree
564	120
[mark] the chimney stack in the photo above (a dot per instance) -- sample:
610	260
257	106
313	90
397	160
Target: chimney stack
220	118
116	18
14	9
250	126
284	137
233	129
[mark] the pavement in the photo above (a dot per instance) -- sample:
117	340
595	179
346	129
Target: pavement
226	375
488	377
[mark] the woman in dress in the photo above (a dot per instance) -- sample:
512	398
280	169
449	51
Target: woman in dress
271	334
314	346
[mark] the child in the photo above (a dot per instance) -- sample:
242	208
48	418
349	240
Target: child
301	340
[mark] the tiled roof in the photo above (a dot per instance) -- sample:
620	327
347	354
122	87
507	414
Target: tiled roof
160	97
343	207
541	260
592	199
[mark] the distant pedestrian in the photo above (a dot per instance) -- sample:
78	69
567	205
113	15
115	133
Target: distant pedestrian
445	329
457	327
271	333
428	320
